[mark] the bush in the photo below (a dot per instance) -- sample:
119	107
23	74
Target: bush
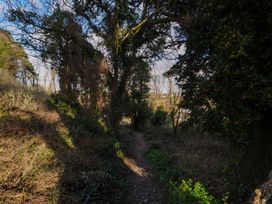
74	115
159	116
188	192
63	106
141	115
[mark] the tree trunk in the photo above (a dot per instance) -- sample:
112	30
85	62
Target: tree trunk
117	94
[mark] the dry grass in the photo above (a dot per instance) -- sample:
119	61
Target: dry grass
43	158
29	169
14	95
39	160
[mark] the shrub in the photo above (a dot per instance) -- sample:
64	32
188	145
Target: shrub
159	116
80	121
63	106
188	192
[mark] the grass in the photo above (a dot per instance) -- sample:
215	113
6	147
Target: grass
15	95
65	135
46	157
27	165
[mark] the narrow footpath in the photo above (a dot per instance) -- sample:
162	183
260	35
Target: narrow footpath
143	182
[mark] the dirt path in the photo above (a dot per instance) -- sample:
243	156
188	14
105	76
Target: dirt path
142	180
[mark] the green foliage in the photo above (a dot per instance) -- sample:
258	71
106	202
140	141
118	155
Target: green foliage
118	149
139	110
159	116
159	158
67	108
138	107
162	161
121	27
74	115
188	192
225	77
65	45
225	73
13	58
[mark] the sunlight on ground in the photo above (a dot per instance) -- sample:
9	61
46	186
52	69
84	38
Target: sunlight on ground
132	165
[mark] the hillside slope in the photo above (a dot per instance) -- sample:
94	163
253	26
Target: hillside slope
47	157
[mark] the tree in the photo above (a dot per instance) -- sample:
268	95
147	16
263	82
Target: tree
138	107
80	67
176	112
14	59
129	30
225	75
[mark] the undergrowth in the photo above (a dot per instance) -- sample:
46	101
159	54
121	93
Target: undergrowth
180	190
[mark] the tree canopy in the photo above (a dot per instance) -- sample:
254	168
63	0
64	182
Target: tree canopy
225	73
